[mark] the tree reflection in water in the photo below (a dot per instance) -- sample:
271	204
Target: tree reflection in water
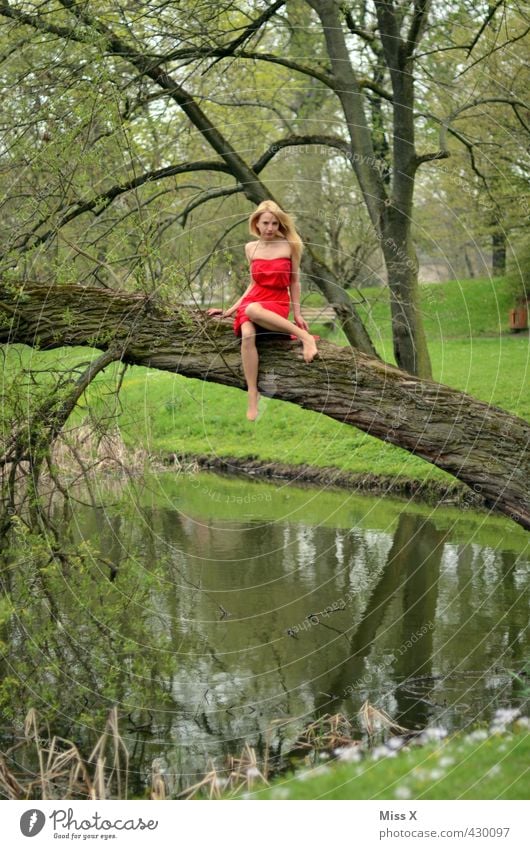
215	631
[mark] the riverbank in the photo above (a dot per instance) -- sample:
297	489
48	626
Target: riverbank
484	763
431	491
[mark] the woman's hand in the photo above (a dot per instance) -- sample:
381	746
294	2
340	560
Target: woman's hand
217	313
301	322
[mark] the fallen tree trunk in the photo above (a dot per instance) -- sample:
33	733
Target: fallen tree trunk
481	445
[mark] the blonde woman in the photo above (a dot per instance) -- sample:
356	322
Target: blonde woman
274	259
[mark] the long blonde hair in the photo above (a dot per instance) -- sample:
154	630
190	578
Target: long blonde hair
286	228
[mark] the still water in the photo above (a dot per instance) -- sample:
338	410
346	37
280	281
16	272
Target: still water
219	612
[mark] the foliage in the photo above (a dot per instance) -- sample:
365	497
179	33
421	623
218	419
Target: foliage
66	620
519	278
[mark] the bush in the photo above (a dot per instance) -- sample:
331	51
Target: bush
519	276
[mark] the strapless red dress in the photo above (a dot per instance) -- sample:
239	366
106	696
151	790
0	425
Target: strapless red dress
271	278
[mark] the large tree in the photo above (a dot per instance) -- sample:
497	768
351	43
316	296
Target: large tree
479	444
187	68
481	194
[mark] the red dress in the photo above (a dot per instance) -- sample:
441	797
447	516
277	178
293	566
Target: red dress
271	278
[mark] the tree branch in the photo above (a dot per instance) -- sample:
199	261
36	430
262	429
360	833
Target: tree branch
253	27
431	157
479	444
487	19
417	26
104	200
298	141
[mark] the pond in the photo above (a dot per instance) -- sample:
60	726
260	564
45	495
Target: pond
217	612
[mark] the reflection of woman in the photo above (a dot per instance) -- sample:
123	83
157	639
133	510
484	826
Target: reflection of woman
274	260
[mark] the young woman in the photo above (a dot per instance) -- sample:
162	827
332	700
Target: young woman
274	259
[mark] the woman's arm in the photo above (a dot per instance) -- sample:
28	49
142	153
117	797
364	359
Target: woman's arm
248	249
232	309
295	292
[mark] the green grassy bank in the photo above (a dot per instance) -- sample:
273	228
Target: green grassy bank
478	765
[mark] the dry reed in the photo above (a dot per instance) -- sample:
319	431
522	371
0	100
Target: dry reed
60	771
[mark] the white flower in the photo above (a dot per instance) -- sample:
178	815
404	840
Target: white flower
395	743
348	753
280	793
504	717
309	773
477	736
435	732
435	774
382	752
402	792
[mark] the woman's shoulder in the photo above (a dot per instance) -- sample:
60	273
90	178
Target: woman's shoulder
282	249
251	247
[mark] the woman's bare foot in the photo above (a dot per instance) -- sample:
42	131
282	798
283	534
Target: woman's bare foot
253	401
310	349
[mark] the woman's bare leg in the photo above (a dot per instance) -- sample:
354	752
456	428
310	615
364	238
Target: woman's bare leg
271	321
249	359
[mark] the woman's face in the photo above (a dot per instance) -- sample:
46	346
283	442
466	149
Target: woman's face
268	226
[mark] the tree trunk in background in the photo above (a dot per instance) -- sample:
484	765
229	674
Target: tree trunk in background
498	253
390	207
408	334
340	300
481	445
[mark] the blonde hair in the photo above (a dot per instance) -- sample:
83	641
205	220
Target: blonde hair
286	228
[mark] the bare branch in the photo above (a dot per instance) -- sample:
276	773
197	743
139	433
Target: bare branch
368	36
297	141
493	50
92	258
205	197
102	201
36	22
487	19
417	26
326	78
432	157
254	27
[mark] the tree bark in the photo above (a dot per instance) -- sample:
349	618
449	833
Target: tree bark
498	253
408	335
479	444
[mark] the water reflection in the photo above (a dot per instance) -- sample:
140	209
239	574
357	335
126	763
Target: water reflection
226	629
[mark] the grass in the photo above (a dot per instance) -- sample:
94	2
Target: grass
466	766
